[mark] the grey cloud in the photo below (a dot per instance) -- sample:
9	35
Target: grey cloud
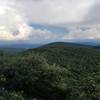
80	16
93	16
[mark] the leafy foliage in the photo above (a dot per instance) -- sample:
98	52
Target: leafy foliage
5	95
55	72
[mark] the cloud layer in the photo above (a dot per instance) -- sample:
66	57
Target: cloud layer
79	19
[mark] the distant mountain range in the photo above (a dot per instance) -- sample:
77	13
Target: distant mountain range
21	47
15	48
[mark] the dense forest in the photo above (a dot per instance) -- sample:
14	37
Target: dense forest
57	71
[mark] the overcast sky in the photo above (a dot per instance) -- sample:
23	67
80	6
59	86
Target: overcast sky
41	21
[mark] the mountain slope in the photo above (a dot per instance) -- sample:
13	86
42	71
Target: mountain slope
66	53
97	47
57	71
65	44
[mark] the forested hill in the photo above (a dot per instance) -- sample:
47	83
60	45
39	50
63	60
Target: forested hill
67	53
66	44
56	71
97	47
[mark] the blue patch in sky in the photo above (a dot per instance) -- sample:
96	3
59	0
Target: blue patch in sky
53	29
